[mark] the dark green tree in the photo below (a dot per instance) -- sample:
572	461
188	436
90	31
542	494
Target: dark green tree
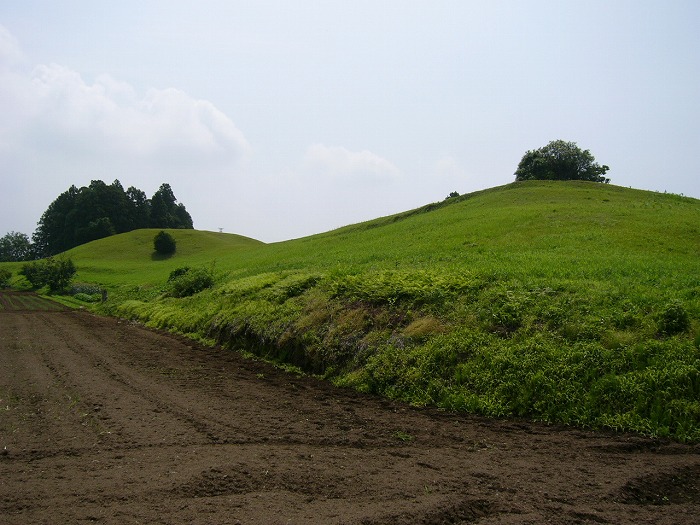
15	246
560	160
166	213
164	243
56	230
97	229
54	272
138	208
162	204
82	215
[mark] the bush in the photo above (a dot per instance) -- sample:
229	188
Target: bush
86	288
52	272
87	298
164	243
674	319
5	276
178	272
184	282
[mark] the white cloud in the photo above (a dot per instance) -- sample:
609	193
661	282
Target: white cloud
341	162
108	116
58	129
10	52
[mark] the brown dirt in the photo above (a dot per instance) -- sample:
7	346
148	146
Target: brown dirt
105	421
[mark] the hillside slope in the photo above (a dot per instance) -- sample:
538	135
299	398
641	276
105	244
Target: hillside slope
570	302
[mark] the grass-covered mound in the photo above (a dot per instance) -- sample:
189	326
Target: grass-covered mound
560	301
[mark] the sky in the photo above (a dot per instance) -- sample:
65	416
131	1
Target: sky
281	119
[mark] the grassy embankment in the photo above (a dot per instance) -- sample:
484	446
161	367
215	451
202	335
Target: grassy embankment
575	303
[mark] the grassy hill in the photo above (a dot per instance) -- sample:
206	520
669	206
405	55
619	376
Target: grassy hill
568	302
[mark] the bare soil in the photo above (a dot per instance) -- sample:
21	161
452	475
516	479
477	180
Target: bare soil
105	421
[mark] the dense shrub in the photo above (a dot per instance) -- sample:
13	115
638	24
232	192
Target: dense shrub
85	288
178	272
88	298
164	243
674	319
56	273
184	282
5	276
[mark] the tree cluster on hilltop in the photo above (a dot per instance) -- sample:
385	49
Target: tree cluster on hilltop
81	215
560	160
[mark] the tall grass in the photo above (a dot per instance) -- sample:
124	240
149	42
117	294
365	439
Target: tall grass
574	303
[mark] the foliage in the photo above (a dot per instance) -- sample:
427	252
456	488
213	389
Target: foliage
165	213
86	292
184	282
81	215
85	288
56	273
164	243
177	272
14	247
560	160
674	319
87	298
542	300
5	276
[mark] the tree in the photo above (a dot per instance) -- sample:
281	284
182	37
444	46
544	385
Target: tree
138	208
56	273
55	233
560	160
96	229
15	247
165	213
164	243
99	210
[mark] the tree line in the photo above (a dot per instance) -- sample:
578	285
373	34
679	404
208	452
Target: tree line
81	215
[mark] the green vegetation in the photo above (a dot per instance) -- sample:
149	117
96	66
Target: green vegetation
560	160
81	215
55	273
187	281
5	276
164	243
15	247
567	302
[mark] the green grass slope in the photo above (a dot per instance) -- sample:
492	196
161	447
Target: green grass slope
575	303
129	260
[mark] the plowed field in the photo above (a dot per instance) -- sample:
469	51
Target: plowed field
104	421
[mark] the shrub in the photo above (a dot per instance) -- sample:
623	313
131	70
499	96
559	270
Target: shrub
5	276
674	319
164	243
86	288
87	298
56	273
177	272
188	281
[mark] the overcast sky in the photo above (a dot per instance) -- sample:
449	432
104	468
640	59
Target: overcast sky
280	119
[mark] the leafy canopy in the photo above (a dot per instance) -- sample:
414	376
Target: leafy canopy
81	215
164	243
15	246
56	273
560	160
